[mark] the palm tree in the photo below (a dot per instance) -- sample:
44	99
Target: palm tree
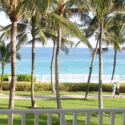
52	60
23	30
92	29
92	26
115	36
15	9
35	32
64	47
101	8
5	57
37	36
72	29
91	67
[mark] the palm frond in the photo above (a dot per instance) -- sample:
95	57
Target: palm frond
69	26
77	43
104	50
18	56
64	49
67	42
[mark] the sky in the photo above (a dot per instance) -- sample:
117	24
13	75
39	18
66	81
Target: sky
5	21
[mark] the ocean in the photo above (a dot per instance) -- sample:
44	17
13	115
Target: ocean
77	61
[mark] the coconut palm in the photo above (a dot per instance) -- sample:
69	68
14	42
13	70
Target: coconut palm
15	9
64	47
5	57
101	8
70	28
37	36
92	27
115	36
23	30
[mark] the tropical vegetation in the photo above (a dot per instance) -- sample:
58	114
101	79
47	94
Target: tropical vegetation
51	18
5	57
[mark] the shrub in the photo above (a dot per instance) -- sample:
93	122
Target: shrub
21	77
6	86
25	77
63	87
5	77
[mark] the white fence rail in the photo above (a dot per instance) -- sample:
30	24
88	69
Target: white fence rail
62	113
77	78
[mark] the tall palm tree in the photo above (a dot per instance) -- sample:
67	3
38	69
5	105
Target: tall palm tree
52	60
115	36
64	47
15	9
101	8
35	32
37	36
67	26
23	30
92	29
5	57
92	26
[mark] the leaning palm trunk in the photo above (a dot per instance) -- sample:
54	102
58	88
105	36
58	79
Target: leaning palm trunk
57	74
90	72
52	85
114	65
2	77
32	73
13	64
100	68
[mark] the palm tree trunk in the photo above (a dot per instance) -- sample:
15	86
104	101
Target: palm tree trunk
57	71
57	74
2	77
100	68
32	73
90	71
53	89
114	65
13	64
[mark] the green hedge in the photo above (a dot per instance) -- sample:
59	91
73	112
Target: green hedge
25	77
63	87
5	77
21	77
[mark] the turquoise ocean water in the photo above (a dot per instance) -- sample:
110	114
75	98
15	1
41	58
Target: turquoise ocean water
76	62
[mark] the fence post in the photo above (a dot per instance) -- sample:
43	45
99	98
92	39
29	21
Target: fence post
85	77
70	77
76	78
43	78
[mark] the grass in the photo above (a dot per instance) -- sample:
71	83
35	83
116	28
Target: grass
43	93
66	103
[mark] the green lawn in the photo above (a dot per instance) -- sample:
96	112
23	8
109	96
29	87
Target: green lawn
42	93
66	103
